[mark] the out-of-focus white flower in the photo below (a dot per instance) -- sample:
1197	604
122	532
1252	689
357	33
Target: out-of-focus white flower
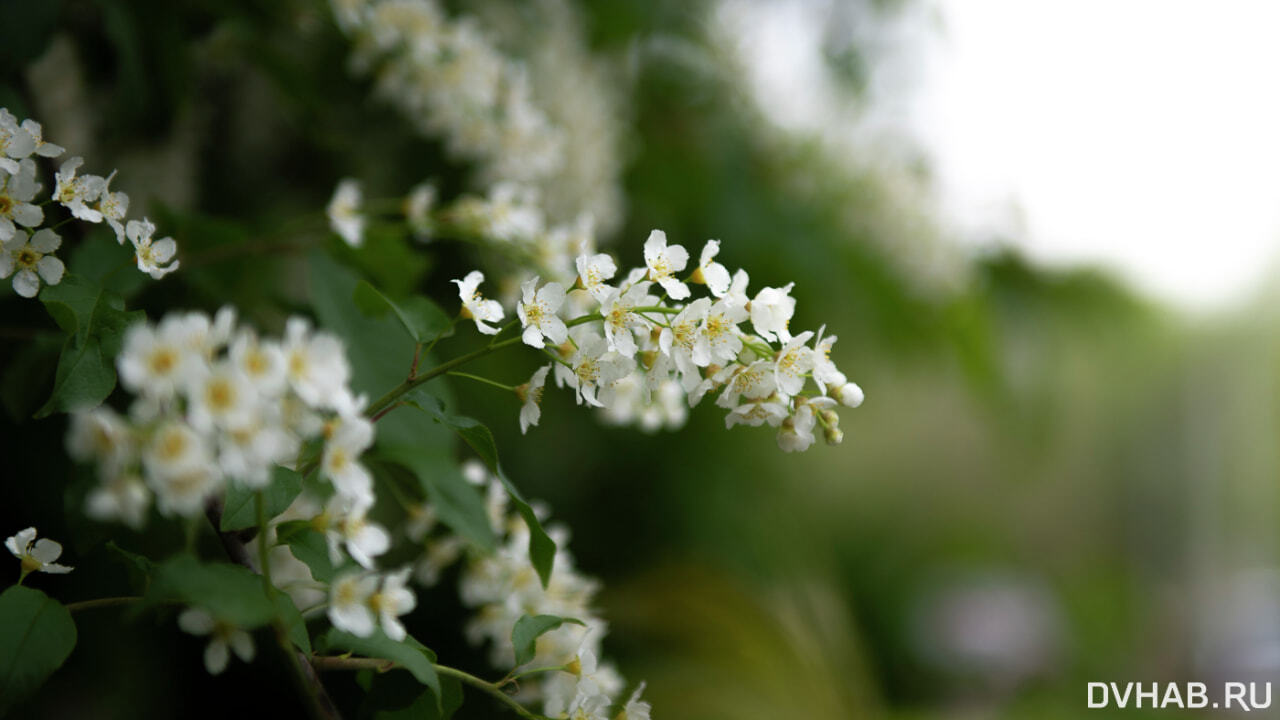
538	313
349	603
151	255
261	362
771	311
121	496
316	365
223	637
530	395
36	555
393	600
30	260
344	213
351	437
417	210
474	306
635	709
155	361
345	523
220	396
18	187
664	261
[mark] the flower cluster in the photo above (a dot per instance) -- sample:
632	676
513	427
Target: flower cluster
216	404
503	587
449	79
27	253
642	347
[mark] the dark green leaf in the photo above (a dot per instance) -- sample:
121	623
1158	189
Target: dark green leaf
423	319
229	592
310	546
529	628
397	696
408	653
459	503
295	625
241	511
95	320
36	636
542	549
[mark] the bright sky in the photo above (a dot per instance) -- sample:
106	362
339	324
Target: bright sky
1143	135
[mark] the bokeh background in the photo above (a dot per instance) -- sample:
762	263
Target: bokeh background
1056	478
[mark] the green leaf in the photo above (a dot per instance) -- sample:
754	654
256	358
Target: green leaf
421	318
36	636
95	320
408	653
387	698
529	628
458	502
542	549
241	511
295	625
229	592
310	546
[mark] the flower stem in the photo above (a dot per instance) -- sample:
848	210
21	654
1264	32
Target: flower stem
409	385
101	602
484	380
328	662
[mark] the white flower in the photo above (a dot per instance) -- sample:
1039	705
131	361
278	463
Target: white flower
344	212
620	319
476	307
796	433
721	330
825	371
340	463
710	272
262	362
393	600
531	395
794	361
848	394
537	313
151	255
349	603
593	271
684	341
771	310
248	452
346	524
417	210
756	413
18	187
102	435
36	555
595	366
30	259
316	366
43	149
180	469
635	709
664	262
155	361
76	193
220	396
222	636
16	142
114	206
121	496
755	381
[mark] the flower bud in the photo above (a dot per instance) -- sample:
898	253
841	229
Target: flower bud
849	395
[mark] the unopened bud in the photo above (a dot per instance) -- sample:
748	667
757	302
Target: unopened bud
849	395
833	435
697	277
